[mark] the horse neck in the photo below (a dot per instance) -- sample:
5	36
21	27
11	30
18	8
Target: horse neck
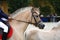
21	26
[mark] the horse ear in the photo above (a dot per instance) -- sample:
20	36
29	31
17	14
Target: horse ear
38	9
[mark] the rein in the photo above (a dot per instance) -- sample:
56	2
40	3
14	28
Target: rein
23	21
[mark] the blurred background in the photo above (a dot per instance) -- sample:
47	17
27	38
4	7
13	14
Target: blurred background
49	9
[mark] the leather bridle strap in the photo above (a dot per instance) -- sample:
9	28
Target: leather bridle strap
23	21
32	11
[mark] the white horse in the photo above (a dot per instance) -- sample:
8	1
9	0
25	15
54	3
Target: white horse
21	19
50	32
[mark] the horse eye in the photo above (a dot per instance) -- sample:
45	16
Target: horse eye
36	16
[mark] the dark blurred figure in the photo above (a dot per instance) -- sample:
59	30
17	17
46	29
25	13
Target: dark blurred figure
53	17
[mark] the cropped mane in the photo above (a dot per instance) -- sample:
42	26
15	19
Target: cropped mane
18	11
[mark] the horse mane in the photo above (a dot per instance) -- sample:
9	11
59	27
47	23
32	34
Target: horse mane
19	11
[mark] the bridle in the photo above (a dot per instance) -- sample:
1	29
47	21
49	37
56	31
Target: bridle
37	24
32	11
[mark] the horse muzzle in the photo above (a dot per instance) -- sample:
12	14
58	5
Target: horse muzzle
41	26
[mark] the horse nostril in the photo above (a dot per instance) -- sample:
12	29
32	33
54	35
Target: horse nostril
41	26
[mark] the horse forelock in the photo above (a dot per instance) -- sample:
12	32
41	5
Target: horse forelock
19	11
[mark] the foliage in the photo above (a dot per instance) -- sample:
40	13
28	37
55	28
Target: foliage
45	10
16	4
46	6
